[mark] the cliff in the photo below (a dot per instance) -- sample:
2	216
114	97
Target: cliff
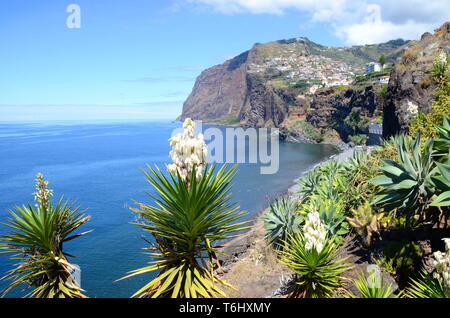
410	79
274	82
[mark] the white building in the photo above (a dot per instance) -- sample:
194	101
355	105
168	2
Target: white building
373	67
383	79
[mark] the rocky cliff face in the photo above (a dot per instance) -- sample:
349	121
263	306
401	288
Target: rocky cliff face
330	107
410	79
267	84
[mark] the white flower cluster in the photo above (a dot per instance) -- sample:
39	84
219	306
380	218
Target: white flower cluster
442	265
314	232
441	58
412	109
43	193
188	151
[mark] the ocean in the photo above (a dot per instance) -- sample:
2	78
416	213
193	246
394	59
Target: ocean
97	165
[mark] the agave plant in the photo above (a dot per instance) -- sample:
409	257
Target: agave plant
366	222
426	286
318	273
35	238
280	221
407	185
308	183
190	216
442	183
441	147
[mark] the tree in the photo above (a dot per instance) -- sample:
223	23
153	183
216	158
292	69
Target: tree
382	61
357	121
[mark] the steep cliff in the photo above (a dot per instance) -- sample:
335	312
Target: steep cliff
410	79
267	84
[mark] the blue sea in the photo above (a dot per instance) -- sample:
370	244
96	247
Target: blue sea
97	165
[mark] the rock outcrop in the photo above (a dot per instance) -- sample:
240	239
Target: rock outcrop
330	107
410	80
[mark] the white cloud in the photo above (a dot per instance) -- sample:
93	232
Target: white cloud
355	22
373	29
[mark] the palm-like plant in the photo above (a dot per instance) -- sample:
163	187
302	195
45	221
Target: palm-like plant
189	218
36	238
280	221
318	274
426	287
373	286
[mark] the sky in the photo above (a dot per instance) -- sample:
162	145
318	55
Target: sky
138	59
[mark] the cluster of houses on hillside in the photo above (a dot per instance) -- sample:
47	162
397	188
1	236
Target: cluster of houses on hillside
313	68
317	71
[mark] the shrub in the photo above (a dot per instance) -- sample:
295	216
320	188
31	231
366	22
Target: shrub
357	121
36	238
401	259
358	140
280	221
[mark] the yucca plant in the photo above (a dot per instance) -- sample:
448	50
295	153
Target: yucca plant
318	273
407	185
190	216
366	222
426	287
281	220
373	285
332	215
35	238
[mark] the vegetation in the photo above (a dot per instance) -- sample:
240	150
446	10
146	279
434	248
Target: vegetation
319	273
36	237
366	222
373	286
440	108
358	140
357	121
407	185
426	287
400	259
192	213
281	221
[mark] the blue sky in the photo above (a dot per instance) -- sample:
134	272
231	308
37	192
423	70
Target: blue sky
138	59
